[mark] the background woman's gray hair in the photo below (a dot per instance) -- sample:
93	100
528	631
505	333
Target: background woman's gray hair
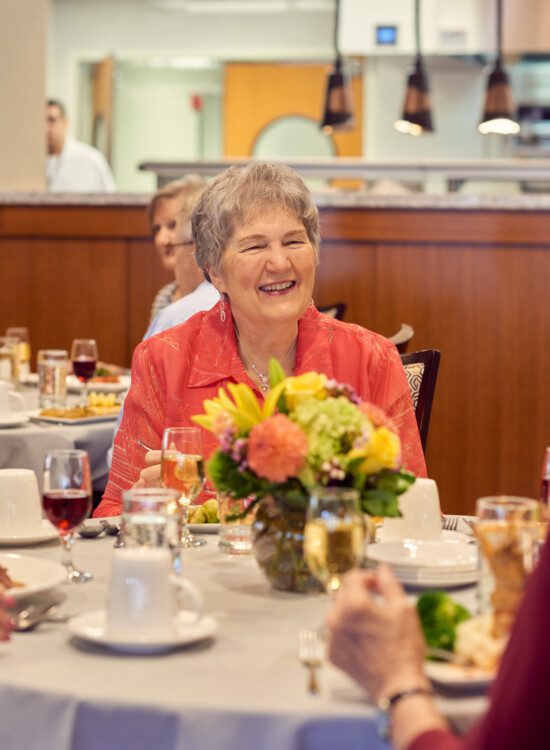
242	193
189	188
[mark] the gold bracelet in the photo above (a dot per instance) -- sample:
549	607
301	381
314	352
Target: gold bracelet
386	703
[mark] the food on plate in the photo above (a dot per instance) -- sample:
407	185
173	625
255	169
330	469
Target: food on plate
104	379
6	581
475	643
205	513
99	404
439	616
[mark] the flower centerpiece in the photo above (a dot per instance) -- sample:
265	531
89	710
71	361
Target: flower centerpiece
309	431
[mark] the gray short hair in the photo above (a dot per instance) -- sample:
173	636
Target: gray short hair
188	189
239	193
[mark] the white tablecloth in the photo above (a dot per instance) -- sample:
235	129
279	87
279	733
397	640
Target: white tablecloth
243	690
25	447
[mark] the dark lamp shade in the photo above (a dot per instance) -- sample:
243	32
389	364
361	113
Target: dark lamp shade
338	110
417	114
498	112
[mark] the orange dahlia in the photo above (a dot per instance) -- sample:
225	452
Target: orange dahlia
277	448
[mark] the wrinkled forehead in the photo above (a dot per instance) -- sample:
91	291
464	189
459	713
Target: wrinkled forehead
255	210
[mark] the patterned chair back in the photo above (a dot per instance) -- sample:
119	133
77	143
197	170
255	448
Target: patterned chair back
421	370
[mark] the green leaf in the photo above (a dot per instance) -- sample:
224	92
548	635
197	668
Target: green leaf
276	372
395	482
378	502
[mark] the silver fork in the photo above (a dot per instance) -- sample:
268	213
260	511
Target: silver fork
450	523
311	652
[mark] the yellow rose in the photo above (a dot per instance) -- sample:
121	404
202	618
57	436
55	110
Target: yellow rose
302	387
382	451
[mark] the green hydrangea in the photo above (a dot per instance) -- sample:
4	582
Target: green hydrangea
331	427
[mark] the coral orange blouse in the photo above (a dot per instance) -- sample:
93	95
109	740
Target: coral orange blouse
175	371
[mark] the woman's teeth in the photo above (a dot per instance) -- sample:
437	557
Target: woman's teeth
277	287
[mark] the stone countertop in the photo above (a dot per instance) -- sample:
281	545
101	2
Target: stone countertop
323	198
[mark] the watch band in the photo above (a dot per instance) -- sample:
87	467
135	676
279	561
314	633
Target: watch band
386	703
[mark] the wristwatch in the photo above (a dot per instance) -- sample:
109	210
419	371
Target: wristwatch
386	703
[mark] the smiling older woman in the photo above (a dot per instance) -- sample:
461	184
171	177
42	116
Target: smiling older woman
256	235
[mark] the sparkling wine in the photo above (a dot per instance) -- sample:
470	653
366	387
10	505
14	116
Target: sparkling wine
183	472
84	368
66	509
332	548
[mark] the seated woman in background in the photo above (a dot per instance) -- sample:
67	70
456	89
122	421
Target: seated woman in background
375	637
256	235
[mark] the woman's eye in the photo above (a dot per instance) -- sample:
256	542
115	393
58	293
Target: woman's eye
171	225
295	243
252	248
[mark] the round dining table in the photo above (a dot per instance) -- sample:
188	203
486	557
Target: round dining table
242	689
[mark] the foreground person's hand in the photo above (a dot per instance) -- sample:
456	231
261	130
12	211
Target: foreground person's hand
150	476
375	635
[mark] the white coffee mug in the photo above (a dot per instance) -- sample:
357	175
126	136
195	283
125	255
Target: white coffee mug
20	506
10	401
143	596
421	517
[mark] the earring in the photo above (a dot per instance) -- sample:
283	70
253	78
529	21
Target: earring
311	303
222	307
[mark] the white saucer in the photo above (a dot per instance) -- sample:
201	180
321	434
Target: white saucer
91	627
13	420
45	534
74	385
35	573
456	677
432	555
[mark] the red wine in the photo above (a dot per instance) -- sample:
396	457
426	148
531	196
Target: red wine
84	368
66	509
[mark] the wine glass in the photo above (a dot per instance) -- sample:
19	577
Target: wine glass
84	358
67	500
182	469
334	535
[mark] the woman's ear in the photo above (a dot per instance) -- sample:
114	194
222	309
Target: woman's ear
216	279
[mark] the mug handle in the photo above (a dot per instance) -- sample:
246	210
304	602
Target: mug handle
17	399
194	594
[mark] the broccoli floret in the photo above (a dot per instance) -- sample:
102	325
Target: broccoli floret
439	616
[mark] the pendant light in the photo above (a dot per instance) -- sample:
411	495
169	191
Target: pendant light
338	110
417	114
498	112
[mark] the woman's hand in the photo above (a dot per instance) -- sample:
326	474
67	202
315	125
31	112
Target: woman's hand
6	624
150	476
375	634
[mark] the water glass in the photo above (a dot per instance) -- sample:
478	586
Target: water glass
149	517
53	367
21	333
9	359
235	534
507	529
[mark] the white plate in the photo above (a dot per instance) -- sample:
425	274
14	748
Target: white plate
432	555
44	534
420	580
36	573
75	386
91	627
455	677
13	420
204	528
34	416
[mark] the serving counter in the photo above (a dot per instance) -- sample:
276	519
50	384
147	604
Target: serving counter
469	274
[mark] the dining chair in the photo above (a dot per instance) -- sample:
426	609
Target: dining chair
402	338
421	370
337	310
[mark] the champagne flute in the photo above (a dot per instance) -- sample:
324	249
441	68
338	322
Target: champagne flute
84	358
67	500
182	469
334	535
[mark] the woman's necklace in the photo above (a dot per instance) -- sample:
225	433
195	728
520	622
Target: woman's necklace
264	379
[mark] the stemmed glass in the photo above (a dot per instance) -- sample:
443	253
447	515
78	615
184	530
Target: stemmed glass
84	358
67	500
182	469
334	535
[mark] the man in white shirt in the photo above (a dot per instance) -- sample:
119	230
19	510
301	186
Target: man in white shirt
72	166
